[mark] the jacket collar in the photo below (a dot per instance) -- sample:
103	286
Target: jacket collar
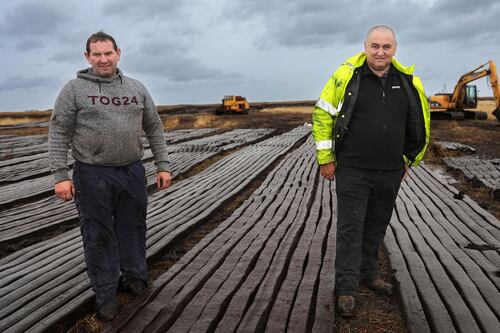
359	59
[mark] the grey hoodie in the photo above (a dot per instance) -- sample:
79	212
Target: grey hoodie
103	118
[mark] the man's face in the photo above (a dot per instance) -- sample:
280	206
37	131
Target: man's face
103	58
380	47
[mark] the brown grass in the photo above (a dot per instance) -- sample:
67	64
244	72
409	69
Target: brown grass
487	106
34	114
5	121
296	109
89	324
256	119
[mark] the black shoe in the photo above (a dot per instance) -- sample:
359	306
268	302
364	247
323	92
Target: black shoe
132	286
346	306
379	286
108	310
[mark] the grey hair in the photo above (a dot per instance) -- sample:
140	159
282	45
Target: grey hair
381	27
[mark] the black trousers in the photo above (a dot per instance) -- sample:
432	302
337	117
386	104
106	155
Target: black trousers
365	201
112	204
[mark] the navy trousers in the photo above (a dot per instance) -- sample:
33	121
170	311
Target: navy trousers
112	204
365	201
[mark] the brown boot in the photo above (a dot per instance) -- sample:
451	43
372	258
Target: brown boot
346	305
379	286
108	311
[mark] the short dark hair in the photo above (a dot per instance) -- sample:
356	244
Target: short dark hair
98	37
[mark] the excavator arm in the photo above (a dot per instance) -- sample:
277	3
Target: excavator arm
495	87
459	96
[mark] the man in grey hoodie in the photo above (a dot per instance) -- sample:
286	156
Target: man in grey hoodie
102	114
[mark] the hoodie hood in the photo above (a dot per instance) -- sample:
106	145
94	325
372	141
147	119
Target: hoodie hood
89	74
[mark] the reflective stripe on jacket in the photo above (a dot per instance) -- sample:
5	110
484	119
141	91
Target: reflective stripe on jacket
333	111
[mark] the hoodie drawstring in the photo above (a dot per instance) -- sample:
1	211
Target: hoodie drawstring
89	74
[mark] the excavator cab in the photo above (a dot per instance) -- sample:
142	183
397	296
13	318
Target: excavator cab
470	96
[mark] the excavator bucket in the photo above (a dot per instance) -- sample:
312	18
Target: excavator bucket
496	113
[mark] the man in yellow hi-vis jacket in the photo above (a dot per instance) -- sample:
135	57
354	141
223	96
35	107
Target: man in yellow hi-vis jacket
370	125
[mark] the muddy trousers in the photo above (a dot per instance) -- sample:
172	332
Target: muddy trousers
112	203
365	201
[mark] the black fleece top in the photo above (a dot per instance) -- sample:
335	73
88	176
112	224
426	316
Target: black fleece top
376	134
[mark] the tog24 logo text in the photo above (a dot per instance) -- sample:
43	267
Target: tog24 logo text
104	100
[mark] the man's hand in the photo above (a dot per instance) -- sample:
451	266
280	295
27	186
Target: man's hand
407	171
328	170
65	190
163	180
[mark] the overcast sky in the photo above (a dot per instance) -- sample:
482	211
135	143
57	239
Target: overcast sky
196	51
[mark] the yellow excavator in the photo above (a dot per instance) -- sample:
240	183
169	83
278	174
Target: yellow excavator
464	96
234	104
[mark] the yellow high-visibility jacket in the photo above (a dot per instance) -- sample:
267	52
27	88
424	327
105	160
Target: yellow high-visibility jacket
333	111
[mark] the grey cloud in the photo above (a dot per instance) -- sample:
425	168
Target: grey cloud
317	23
31	25
461	7
157	18
169	60
70	55
322	23
464	28
29	44
21	82
140	9
34	18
